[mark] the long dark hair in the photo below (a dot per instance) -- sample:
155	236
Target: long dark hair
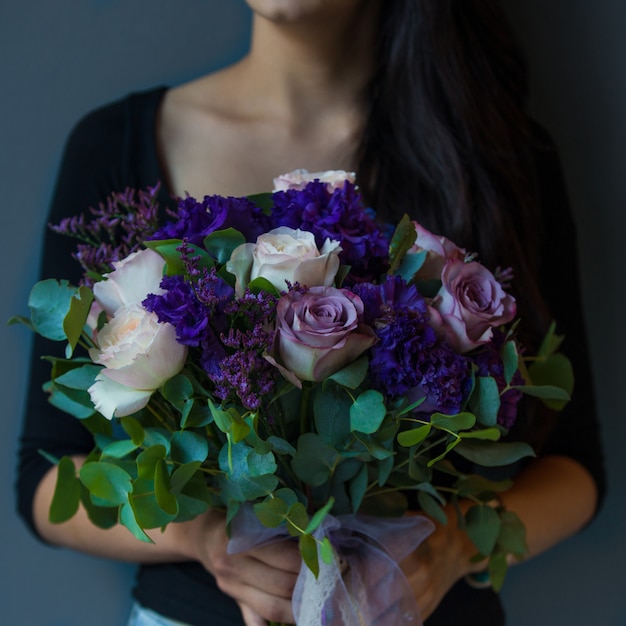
447	140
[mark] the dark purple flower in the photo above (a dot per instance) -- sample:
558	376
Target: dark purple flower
409	360
194	220
338	215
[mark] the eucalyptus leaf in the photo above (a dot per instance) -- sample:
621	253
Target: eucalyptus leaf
298	519
358	486
555	370
319	516
128	519
431	507
331	414
454	423
76	318
402	241
415	436
106	481
411	264
165	499
119	449
367	412
510	360
49	303
272	512
80	378
497	568
314	459
147	461
182	475
483	527
353	374
188	446
490	455
485	400
76	403
66	497
308	551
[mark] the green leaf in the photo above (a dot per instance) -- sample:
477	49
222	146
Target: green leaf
331	414
494	455
298	519
550	343
314	459
431	507
119	449
555	371
327	552
182	475
411	264
106	481
79	378
174	265
415	436
147	511
486	434
319	516
545	392
148	459
177	391
128	519
510	361
308	550
368	412
497	568
401	242
475	485
483	527
20	319
77	404
221	243
49	303
165	499
133	429
485	400
76	318
272	512
261	284
66	496
512	537
264	201
358	486
352	375
188	446
454	423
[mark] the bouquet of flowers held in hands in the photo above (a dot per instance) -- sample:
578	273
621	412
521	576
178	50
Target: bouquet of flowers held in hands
279	356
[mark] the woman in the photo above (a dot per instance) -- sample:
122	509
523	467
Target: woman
423	99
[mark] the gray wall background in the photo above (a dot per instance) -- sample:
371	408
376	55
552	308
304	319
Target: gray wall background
58	60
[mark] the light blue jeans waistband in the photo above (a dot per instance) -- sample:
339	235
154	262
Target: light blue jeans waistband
140	616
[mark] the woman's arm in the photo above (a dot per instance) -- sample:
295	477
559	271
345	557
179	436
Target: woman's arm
555	497
261	580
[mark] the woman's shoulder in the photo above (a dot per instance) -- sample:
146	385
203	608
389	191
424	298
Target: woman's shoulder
116	120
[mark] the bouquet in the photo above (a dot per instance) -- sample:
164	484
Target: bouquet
290	360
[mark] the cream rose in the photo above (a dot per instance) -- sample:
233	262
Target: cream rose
285	255
298	179
139	354
133	278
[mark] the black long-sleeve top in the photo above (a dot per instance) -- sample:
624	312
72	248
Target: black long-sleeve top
114	148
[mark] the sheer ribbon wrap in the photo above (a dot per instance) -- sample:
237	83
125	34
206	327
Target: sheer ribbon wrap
364	585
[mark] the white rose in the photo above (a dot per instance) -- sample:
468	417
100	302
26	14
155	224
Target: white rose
134	277
282	255
298	179
139	354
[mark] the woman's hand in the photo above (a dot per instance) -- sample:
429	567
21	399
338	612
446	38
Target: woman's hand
438	563
261	580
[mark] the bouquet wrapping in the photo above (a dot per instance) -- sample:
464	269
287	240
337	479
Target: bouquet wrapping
289	359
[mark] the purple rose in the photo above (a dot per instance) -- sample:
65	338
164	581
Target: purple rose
470	303
438	250
318	332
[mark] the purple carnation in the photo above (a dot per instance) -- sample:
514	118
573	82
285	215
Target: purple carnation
194	220
338	214
409	360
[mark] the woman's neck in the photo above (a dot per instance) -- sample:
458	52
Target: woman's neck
310	68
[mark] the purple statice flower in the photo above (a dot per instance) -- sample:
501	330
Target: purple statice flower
113	230
245	373
409	360
194	220
489	363
336	214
